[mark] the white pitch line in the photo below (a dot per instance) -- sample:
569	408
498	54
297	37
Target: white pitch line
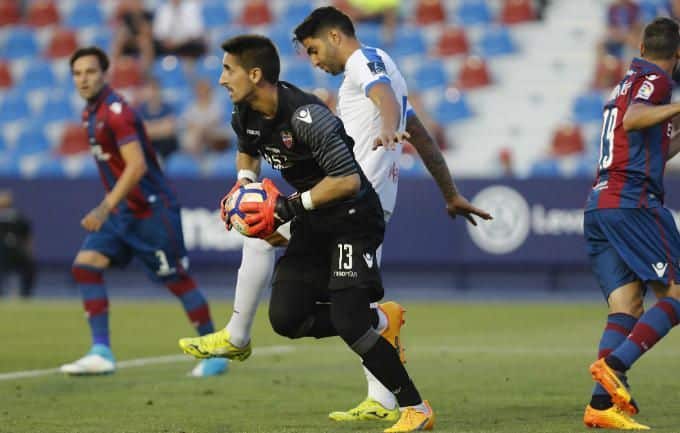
141	362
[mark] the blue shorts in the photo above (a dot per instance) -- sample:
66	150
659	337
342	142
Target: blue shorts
625	245
157	241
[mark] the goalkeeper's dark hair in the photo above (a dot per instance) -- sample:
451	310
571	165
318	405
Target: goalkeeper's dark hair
661	39
101	56
323	18
255	51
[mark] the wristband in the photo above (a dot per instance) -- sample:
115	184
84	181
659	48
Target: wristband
307	200
247	174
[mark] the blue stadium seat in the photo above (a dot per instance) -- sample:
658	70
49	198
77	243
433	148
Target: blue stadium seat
3	144
221	164
410	43
58	108
182	165
548	167
215	14
31	140
85	14
474	12
170	73
228	107
496	41
295	13
20	43
282	37
14	107
430	75
38	75
9	165
300	74
587	107
453	109
650	9
89	168
48	166
103	38
209	68
371	34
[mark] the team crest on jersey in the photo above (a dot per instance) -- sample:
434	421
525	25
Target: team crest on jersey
376	67
287	139
645	91
116	107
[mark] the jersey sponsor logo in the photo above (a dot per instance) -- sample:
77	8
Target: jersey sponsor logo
116	107
305	116
287	139
99	153
376	68
368	258
645	91
252	132
511	224
660	268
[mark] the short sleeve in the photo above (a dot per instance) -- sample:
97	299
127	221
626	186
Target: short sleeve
366	69
122	121
651	89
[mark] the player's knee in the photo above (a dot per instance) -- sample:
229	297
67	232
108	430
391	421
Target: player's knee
287	322
92	259
354	327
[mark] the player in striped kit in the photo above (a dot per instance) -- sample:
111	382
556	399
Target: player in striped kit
632	240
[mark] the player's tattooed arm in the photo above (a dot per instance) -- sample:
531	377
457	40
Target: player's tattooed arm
429	152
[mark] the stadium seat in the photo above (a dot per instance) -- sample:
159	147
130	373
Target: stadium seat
9	165
587	107
215	14
650	9
73	140
103	38
547	167
430	12
256	13
453	41
282	37
473	74
85	14
567	140
370	34
38	76
14	107
473	12
517	11
58	108
300	74
20	43
430	75
42	13
170	73
47	166
5	75
209	68
608	72
62	44
452	108
126	72
182	165
31	140
294	13
496	41
221	164
9	12
411	42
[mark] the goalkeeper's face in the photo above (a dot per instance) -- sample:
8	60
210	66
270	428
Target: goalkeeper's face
324	54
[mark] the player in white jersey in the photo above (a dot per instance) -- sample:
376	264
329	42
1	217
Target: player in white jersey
374	107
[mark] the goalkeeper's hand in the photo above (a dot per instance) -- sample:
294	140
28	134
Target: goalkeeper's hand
224	213
263	218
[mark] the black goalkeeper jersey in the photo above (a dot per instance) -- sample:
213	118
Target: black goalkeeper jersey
304	140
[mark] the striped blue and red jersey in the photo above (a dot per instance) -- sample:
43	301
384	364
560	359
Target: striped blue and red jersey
110	123
631	164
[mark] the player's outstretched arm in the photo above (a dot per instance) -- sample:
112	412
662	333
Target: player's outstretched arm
135	168
429	152
384	98
641	116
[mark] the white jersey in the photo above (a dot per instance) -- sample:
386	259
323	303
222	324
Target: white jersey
364	68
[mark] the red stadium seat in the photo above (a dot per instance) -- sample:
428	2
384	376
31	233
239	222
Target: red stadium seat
63	43
9	12
256	13
453	41
473	74
126	72
73	140
567	140
5	76
430	12
517	11
608	72
42	13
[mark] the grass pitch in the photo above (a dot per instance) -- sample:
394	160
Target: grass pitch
485	368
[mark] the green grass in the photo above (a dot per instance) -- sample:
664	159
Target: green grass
485	368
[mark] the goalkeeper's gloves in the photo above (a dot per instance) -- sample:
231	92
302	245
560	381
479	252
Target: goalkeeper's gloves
265	217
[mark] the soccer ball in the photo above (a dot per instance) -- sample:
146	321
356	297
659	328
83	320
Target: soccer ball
251	192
